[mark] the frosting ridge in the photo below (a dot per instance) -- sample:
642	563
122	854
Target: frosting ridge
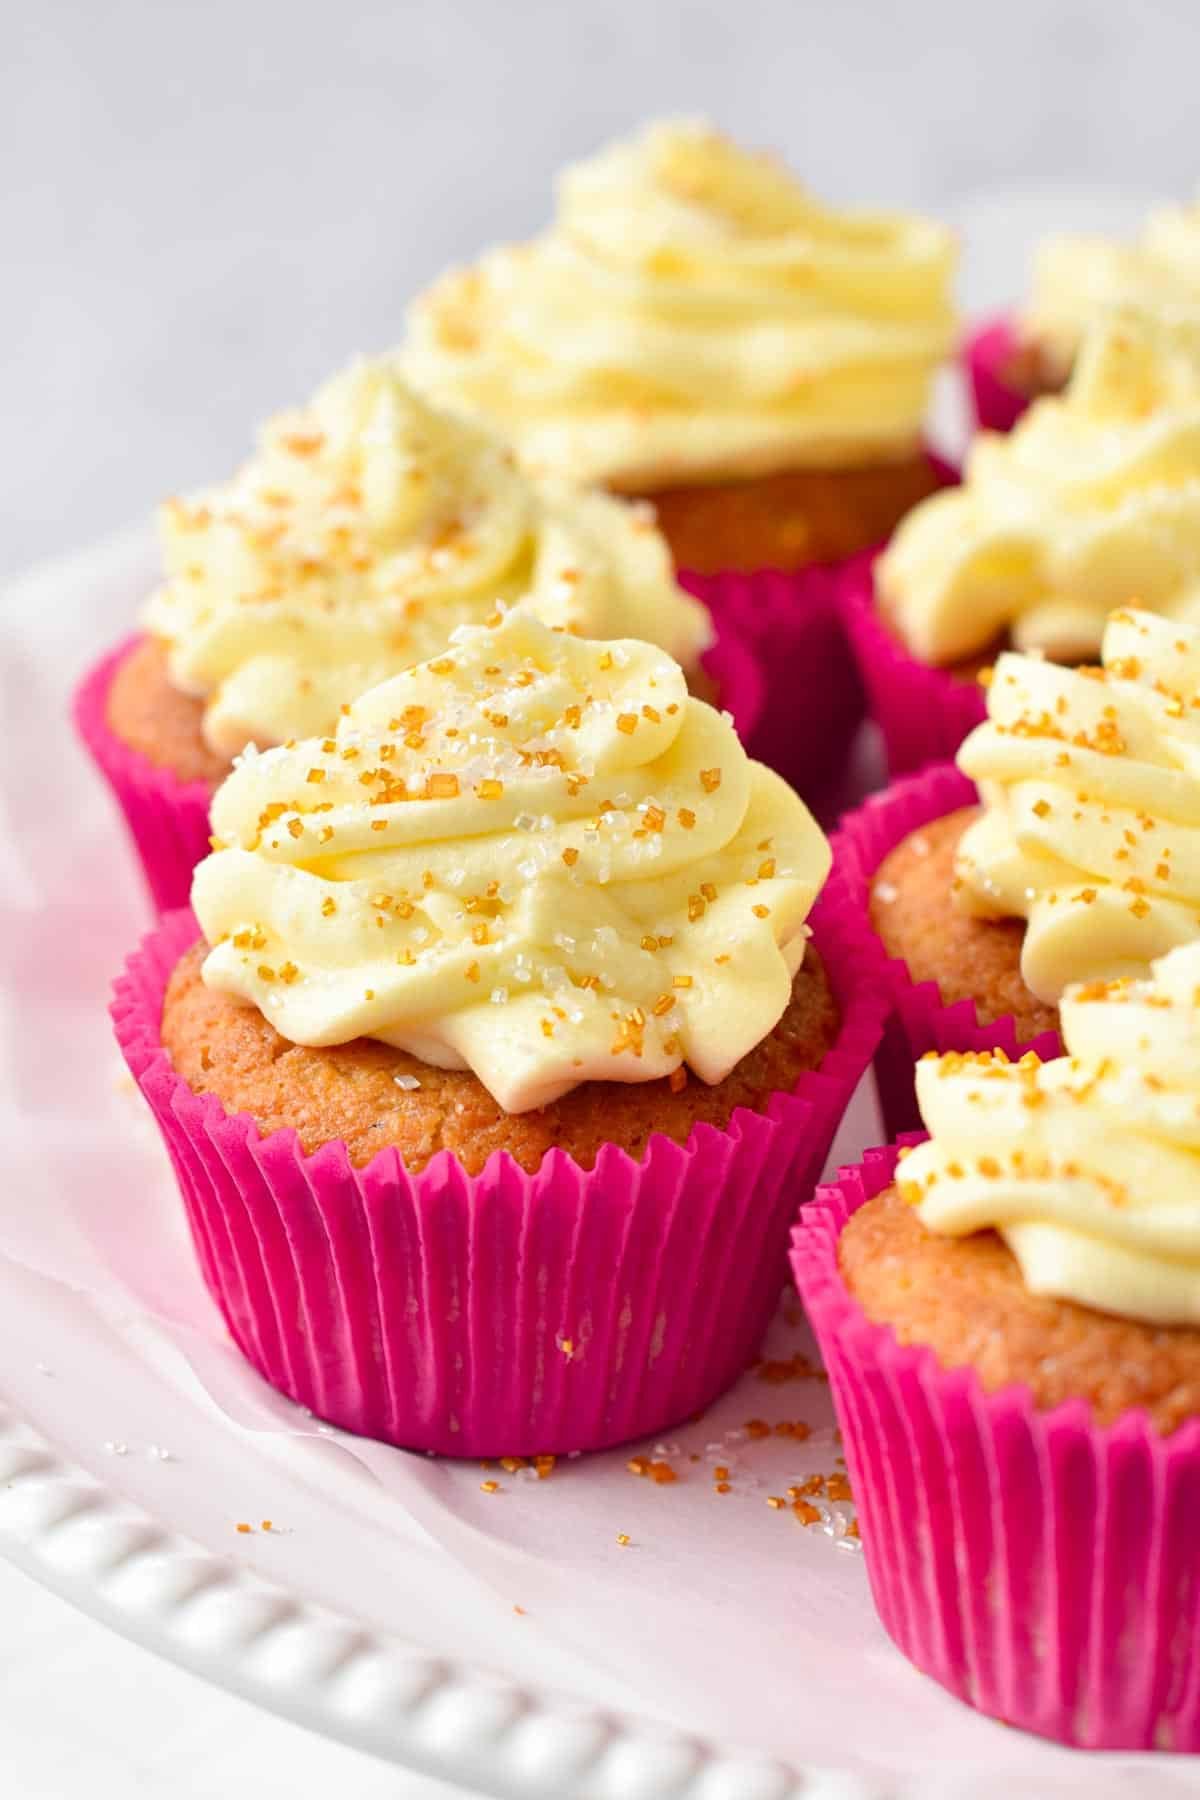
1088	1166
365	529
535	856
1078	277
692	312
1090	783
1092	501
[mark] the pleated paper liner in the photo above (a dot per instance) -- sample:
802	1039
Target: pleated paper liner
923	713
167	819
1044	1570
814	699
503	1313
988	354
918	1019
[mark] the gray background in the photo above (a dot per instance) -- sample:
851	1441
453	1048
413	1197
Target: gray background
206	208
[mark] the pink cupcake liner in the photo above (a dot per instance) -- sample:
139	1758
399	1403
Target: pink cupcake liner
918	1020
502	1313
740	680
813	698
987	354
167	818
811	701
1043	1569
923	713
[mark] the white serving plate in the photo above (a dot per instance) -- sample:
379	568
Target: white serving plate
725	1653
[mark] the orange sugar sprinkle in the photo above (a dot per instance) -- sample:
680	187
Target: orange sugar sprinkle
266	1525
442	786
489	789
723	1487
682	981
677	1080
627	723
472	972
570	856
243	1526
721	1472
710	780
622	1538
686	817
489	1487
806	1512
663	1005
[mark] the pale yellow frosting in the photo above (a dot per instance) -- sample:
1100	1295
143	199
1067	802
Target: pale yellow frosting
535	857
1091	502
1078	278
691	313
1088	1166
1090	781
364	530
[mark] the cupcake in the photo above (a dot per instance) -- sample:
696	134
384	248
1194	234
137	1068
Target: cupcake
1010	1317
1076	280
1092	502
1059	850
365	529
694	328
507	1052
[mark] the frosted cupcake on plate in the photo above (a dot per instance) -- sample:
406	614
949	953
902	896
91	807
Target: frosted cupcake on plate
507	1052
366	527
1093	502
1020	356
1062	848
1010	1317
697	329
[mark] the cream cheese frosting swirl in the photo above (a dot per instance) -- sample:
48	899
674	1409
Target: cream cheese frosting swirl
1088	1166
366	528
1091	502
535	857
1078	278
693	313
1090	781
